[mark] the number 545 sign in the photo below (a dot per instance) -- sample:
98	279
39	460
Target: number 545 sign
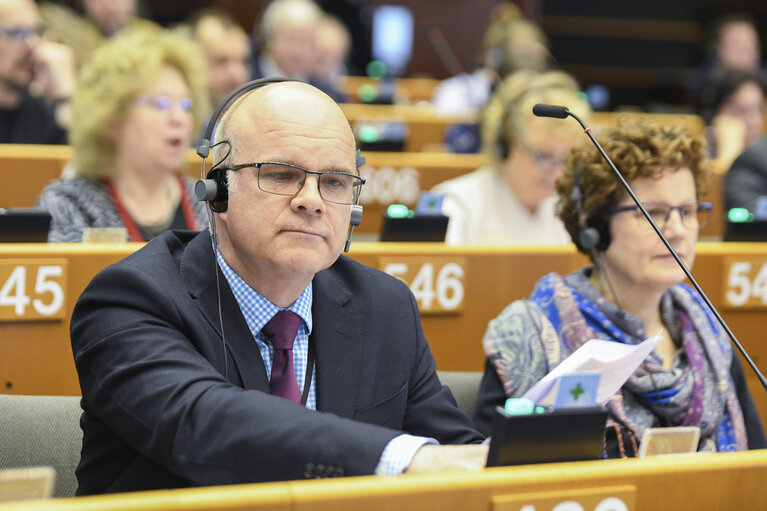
745	283
436	282
32	289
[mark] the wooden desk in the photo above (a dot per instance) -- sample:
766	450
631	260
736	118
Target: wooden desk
26	169
401	177
459	289
683	483
425	128
406	90
391	178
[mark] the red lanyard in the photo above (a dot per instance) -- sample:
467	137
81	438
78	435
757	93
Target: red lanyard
133	231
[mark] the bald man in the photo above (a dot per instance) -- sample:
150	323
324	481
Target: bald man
25	119
175	395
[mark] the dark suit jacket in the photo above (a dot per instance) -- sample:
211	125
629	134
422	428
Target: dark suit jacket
747	178
164	408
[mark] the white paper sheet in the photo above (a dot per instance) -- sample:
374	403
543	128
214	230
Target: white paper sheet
614	361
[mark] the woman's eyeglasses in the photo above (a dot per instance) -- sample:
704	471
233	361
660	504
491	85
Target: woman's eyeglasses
694	215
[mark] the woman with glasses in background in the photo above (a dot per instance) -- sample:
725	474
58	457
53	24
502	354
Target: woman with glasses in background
511	199
137	103
633	290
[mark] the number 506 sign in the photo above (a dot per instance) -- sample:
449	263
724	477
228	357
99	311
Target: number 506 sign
32	289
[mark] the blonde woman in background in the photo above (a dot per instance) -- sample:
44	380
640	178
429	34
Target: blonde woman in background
137	103
511	43
511	199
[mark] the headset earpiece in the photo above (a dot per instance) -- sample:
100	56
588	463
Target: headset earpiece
356	216
594	231
213	189
595	234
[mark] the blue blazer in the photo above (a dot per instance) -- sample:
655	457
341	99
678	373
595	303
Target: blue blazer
166	404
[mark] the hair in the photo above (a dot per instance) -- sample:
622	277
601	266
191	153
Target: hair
638	149
220	15
505	38
278	11
721	86
112	79
510	108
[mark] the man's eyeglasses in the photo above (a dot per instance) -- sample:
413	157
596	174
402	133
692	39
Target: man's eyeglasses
694	215
286	179
165	103
21	34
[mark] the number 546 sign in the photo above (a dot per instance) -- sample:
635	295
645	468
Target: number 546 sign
436	282
32	289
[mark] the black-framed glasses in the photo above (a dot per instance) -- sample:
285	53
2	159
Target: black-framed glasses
286	179
694	215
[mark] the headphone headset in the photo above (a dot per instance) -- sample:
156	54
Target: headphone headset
212	187
594	234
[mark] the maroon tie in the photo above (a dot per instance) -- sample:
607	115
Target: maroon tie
281	331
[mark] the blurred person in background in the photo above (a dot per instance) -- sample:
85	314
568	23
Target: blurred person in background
511	199
226	48
25	58
632	291
287	39
734	45
85	29
511	43
333	44
137	103
732	106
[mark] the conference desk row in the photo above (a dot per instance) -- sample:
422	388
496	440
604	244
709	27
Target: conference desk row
726	481
391	178
459	289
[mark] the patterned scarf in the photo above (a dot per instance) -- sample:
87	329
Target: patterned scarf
696	391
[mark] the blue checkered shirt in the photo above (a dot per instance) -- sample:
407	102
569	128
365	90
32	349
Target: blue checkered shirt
257	311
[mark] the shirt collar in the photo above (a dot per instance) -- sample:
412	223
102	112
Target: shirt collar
254	304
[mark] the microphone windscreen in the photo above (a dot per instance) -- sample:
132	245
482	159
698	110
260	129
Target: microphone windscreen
543	110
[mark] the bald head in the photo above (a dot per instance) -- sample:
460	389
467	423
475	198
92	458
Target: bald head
289	109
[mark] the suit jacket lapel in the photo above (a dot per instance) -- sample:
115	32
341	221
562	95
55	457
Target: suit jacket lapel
337	338
198	264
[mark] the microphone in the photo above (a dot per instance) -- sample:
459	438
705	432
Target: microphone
561	112
557	112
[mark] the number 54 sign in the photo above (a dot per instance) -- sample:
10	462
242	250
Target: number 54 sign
745	284
32	289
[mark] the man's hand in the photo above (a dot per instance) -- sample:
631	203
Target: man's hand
445	458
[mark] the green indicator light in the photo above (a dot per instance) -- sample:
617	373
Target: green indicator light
540	409
376	69
397	211
368	134
740	215
367	92
519	406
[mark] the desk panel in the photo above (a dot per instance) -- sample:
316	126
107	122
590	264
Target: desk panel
35	356
683	483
